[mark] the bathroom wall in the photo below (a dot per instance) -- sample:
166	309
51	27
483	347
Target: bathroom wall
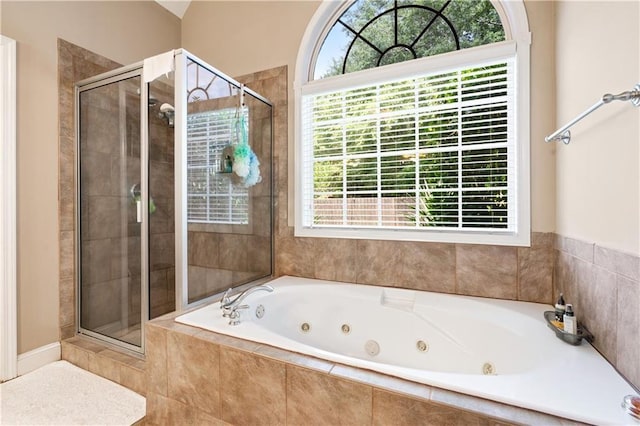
598	185
123	31
492	271
598	178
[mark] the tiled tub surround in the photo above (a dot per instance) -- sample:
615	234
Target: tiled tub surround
199	377
463	336
604	287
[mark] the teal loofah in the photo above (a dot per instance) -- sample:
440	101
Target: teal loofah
241	158
245	161
254	171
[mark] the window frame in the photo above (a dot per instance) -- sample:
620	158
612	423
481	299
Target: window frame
517	45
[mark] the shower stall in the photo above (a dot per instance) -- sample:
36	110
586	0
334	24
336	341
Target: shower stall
174	192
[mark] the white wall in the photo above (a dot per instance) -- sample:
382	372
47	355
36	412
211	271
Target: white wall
598	181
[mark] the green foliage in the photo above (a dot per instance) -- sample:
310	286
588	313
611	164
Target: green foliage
413	30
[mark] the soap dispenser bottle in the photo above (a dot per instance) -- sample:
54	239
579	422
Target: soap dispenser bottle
560	308
570	323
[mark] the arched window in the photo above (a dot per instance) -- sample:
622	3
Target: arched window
412	122
374	33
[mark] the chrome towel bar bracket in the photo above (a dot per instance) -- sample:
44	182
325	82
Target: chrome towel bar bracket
563	134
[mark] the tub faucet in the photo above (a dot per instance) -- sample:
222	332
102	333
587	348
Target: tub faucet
230	306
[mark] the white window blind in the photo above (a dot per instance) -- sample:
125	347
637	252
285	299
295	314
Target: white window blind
211	195
430	152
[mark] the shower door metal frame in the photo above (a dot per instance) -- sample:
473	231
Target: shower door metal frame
180	186
120	74
180	173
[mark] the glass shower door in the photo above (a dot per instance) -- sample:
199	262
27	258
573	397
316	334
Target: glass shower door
110	209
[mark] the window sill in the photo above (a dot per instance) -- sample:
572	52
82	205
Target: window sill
500	238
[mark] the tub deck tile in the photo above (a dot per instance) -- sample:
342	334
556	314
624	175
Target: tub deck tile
320	399
194	372
253	388
376	379
294	358
392	409
496	409
230	341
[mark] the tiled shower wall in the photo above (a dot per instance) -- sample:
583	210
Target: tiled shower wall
75	64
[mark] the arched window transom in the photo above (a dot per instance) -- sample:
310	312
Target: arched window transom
372	33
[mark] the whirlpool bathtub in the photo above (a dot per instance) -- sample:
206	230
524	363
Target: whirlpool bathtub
495	349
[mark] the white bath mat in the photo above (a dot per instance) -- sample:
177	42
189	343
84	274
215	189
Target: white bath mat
63	394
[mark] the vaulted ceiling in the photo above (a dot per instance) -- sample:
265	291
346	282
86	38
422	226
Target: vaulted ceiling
177	7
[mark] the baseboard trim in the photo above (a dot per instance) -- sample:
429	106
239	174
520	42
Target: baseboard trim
38	357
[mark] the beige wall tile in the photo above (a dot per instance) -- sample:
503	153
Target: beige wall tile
67	256
156	359
508	413
75	355
600	312
294	358
427	266
383	381
565	276
253	389
607	301
203	249
488	271
335	259
67	314
377	262
67	331
163	411
233	252
193	372
535	274
105	366
618	262
390	408
134	379
295	256
543	239
628	329
319	399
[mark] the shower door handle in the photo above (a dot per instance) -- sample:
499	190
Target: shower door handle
139	210
135	194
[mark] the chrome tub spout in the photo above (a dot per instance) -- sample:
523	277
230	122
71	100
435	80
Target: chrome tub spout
230	306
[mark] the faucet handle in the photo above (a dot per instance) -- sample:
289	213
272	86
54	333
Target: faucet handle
225	298
230	311
234	315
